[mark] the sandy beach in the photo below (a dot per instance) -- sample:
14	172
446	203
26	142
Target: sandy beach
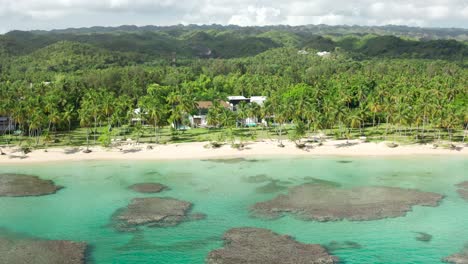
197	150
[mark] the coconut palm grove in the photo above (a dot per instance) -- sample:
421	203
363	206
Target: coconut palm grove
219	144
76	86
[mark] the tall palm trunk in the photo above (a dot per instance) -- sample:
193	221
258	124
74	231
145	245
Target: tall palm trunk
464	133
423	125
87	138
373	120
155	132
386	128
95	129
280	139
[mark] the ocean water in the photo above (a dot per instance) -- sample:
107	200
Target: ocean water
94	190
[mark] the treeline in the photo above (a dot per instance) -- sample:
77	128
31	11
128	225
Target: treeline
400	31
169	45
330	93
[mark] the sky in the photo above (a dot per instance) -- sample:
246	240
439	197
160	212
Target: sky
59	14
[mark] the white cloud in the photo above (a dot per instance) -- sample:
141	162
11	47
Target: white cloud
256	16
48	14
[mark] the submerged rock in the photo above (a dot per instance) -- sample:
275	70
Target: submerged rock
260	178
328	203
344	161
148	187
271	187
17	185
457	259
317	181
153	212
335	245
463	190
41	251
463	185
258	246
231	160
463	193
138	242
423	237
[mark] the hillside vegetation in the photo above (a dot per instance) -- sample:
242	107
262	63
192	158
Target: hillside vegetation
369	84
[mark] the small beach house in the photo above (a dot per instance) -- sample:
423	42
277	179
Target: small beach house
199	119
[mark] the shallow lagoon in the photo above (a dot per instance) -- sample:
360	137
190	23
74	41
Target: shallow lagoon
224	192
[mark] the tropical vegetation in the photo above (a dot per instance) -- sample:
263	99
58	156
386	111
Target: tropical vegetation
63	87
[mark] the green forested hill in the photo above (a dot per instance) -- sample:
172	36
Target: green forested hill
177	30
67	79
67	56
233	42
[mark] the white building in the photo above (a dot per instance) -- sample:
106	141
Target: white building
258	100
323	53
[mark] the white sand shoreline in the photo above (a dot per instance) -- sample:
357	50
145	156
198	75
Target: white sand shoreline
196	150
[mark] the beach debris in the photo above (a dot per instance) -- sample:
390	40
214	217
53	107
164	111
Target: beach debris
423	237
37	251
18	185
328	203
256	245
463	189
336	245
153	212
148	187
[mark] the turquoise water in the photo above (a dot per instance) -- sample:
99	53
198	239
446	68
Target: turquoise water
94	190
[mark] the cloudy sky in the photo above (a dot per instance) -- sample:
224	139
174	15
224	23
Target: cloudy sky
50	14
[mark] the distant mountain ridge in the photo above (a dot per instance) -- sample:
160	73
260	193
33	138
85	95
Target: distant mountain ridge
74	49
396	30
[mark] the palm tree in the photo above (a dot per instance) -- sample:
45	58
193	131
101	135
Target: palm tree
355	120
68	115
36	121
85	115
282	115
375	108
242	113
465	122
228	120
107	103
450	122
153	110
214	113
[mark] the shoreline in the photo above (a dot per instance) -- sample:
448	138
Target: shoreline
196	150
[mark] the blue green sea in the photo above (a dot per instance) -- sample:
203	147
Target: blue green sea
95	190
